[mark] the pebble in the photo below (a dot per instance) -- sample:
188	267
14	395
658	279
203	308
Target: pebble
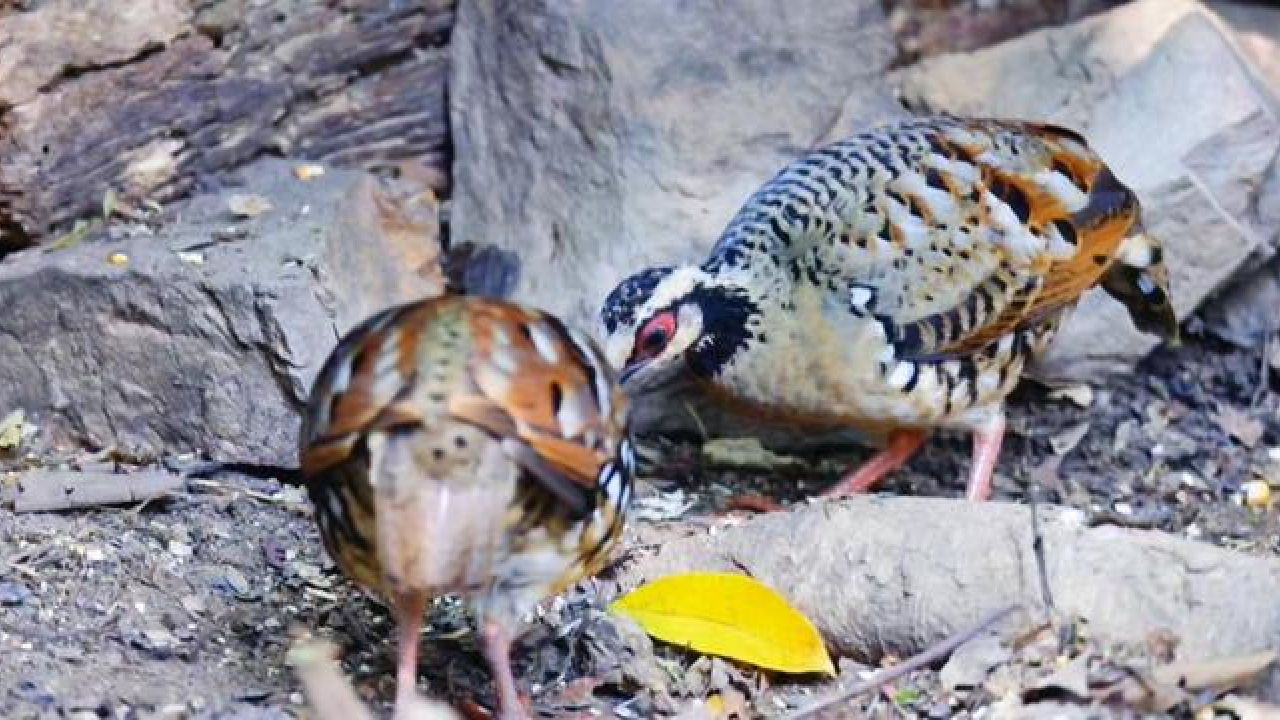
938	711
68	653
233	582
13	594
31	692
193	604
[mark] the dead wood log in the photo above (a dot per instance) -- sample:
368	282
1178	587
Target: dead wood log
178	89
893	575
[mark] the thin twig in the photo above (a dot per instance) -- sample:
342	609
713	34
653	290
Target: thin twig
1264	372
233	489
23	570
923	659
1042	565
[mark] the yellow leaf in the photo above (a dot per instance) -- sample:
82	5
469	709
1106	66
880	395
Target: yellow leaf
730	615
308	171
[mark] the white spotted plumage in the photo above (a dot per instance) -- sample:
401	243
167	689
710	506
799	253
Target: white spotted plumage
897	280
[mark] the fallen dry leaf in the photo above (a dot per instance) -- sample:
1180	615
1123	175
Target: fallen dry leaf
728	703
1072	678
13	430
1257	493
661	505
248	206
1081	395
746	452
327	691
331	696
730	615
308	171
78	232
1240	425
1220	674
1161	688
109	203
1067	440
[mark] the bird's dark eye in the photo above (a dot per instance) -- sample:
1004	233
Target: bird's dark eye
656	333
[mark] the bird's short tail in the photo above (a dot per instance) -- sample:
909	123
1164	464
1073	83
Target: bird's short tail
1140	281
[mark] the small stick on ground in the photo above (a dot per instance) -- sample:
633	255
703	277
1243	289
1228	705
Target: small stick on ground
1042	564
56	490
233	489
923	659
1264	371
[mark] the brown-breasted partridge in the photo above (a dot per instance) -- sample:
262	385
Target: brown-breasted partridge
894	283
467	445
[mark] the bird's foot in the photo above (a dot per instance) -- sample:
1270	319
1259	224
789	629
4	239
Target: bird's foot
497	646
897	451
754	503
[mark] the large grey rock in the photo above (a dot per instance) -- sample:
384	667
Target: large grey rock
1257	28
595	137
209	336
1162	90
893	576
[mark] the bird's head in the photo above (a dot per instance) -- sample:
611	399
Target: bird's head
666	323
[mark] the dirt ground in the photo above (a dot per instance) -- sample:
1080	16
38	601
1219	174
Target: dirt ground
185	607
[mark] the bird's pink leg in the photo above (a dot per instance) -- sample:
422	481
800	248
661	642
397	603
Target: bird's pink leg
986	450
497	648
409	609
897	451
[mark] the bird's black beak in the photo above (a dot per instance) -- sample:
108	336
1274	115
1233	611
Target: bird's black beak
628	372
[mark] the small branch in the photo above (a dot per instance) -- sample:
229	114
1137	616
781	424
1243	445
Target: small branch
1042	564
1264	372
232	489
55	490
923	659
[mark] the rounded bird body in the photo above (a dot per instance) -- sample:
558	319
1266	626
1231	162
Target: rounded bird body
467	445
895	282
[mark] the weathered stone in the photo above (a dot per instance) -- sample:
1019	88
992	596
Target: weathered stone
1245	313
595	137
1257	29
1161	90
101	32
144	101
207	334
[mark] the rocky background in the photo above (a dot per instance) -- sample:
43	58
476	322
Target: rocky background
198	196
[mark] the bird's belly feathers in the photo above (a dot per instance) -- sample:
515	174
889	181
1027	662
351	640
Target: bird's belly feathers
441	509
453	516
828	367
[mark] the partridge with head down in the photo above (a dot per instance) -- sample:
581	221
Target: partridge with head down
894	283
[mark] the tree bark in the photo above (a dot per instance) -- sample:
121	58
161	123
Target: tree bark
148	98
